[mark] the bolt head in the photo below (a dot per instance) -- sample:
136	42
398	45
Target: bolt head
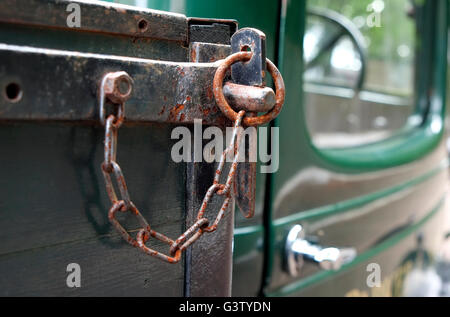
118	86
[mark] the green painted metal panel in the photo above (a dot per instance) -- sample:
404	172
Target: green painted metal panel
347	205
55	211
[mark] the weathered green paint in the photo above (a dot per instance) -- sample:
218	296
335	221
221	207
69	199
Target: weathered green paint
55	211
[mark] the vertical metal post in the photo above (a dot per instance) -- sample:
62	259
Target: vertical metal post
209	261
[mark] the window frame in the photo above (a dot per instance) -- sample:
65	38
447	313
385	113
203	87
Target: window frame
422	134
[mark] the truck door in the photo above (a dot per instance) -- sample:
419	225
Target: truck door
359	201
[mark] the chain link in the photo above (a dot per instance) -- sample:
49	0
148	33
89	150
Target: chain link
123	203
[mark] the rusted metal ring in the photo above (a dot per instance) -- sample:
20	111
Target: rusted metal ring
225	107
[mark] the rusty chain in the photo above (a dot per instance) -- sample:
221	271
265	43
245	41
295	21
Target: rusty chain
116	87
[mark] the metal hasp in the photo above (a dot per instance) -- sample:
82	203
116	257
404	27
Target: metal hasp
298	250
250	73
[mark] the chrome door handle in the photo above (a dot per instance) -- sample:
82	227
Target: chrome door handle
298	250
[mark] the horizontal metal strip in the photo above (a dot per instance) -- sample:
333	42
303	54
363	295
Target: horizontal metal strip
97	17
348	205
63	86
365	95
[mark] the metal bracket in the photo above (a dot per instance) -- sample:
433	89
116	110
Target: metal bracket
251	73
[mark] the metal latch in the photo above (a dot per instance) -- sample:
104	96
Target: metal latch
246	88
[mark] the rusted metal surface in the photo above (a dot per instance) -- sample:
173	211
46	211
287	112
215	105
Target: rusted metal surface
195	230
224	189
245	184
143	236
225	107
120	206
111	18
249	98
124	204
250	74
111	90
117	86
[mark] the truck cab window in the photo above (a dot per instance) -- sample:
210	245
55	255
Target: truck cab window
359	70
